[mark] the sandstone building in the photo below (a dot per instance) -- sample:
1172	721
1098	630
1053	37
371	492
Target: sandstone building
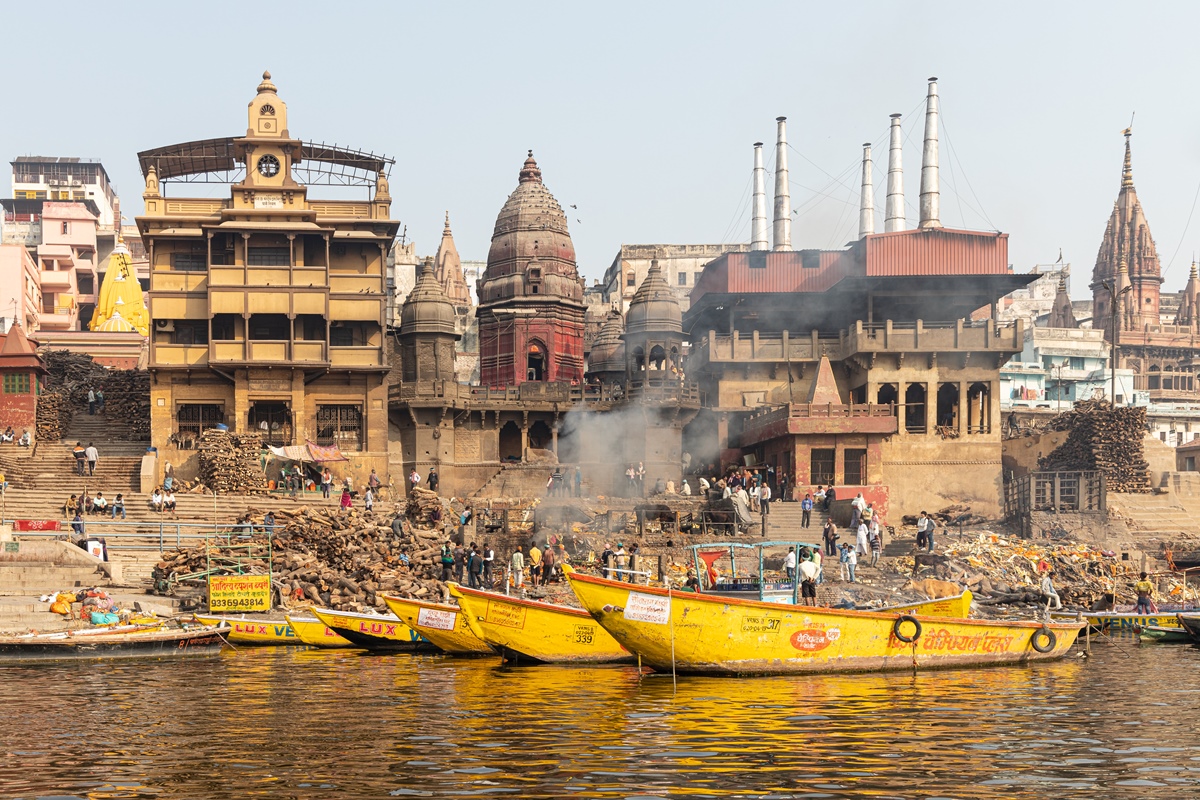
268	305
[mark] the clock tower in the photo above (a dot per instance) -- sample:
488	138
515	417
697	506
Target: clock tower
268	152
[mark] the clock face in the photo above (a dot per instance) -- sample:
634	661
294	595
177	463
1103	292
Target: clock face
268	166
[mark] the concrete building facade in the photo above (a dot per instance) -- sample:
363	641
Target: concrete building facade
268	307
681	266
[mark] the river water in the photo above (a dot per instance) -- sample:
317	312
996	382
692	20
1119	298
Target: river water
305	724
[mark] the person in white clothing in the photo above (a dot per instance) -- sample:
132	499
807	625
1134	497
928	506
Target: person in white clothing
862	545
808	578
789	563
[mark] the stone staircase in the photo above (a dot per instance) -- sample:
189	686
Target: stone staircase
137	542
52	464
521	480
1158	517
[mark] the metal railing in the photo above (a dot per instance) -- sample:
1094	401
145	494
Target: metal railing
146	536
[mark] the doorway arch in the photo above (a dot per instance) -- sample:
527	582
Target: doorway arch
510	442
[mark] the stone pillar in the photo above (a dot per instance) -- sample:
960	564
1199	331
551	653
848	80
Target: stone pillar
931	402
524	437
964	410
901	408
993	406
554	440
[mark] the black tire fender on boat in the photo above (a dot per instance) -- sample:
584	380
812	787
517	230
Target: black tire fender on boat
1043	633
900	620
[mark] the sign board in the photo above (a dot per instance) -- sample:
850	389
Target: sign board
437	619
36	525
239	593
268	200
648	608
12	547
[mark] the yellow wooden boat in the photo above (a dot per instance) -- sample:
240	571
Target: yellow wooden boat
699	633
528	630
315	633
373	631
246	631
443	625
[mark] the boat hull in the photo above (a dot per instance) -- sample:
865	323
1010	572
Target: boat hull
144	644
374	632
696	633
1159	635
443	625
526	630
1124	622
1191	624
315	633
261	632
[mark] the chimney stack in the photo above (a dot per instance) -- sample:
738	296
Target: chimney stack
758	218
930	199
866	204
894	210
783	201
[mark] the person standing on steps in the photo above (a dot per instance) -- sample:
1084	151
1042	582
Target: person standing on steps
91	402
80	458
830	535
433	480
578	481
806	507
326	482
100	400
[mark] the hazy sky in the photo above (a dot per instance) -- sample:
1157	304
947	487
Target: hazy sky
643	114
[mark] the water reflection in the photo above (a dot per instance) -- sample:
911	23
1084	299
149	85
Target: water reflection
339	723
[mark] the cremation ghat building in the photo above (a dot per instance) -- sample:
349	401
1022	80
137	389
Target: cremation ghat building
268	305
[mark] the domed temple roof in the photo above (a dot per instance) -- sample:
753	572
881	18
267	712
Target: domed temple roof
608	350
654	308
531	252
427	309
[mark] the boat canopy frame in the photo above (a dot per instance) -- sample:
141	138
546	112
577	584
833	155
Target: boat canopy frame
733	547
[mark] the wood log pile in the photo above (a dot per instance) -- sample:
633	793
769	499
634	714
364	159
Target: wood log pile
71	376
949	516
1105	439
345	562
420	506
229	462
53	414
127	403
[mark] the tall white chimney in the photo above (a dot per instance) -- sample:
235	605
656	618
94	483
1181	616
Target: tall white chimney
866	203
758	219
930	199
894	210
783	201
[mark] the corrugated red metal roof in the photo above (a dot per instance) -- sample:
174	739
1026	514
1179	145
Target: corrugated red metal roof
930	252
936	251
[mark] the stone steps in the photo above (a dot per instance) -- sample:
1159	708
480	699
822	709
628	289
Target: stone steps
29	578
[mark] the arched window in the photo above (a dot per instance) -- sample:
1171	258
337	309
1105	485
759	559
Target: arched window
658	357
639	359
537	365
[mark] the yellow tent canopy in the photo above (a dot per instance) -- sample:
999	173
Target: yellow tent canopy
120	306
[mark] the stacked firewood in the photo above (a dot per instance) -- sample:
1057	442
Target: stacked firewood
344	562
421	504
54	414
229	462
127	403
1104	439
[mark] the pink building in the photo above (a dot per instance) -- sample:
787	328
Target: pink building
20	288
67	262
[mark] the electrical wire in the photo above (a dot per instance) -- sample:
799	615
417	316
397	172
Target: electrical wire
1182	238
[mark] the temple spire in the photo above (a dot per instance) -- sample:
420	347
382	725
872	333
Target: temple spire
1127	172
